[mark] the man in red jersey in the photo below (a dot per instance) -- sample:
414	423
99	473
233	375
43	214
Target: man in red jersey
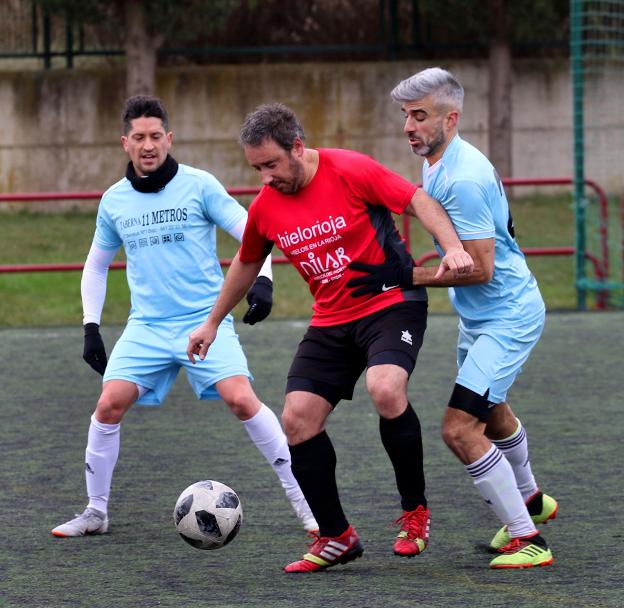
325	208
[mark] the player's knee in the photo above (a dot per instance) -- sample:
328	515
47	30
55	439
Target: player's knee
299	424
292	423
239	397
116	398
243	404
388	397
110	410
465	418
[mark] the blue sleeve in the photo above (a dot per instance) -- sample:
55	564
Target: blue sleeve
468	206
106	236
218	206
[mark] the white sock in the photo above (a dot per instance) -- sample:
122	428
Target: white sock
100	459
493	477
266	432
516	451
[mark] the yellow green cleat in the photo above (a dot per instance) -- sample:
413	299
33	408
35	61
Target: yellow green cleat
523	553
541	507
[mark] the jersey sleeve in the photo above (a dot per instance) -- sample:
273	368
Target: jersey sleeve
255	245
106	235
469	209
218	206
378	185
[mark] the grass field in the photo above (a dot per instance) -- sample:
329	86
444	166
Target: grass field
568	397
54	298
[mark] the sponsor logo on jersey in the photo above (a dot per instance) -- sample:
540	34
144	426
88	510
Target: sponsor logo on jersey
162	216
325	264
321	228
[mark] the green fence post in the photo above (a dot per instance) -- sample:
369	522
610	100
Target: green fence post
576	66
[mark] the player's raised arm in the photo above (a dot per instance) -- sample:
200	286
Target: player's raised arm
437	222
238	280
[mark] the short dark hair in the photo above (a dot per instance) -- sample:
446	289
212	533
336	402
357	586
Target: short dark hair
271	121
143	105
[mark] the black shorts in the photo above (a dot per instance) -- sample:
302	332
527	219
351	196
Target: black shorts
330	360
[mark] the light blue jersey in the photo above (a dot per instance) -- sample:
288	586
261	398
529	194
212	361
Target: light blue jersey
468	187
173	270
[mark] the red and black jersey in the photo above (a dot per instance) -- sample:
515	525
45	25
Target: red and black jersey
342	215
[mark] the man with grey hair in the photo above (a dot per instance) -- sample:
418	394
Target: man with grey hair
501	315
325	208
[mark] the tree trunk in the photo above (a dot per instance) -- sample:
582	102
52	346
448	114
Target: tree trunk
500	90
141	50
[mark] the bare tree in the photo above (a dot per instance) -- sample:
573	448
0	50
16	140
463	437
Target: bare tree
145	26
500	115
141	46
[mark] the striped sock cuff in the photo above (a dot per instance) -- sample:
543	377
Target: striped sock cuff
485	464
511	442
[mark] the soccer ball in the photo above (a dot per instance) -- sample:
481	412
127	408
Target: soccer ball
208	515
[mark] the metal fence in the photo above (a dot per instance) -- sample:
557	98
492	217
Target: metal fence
386	30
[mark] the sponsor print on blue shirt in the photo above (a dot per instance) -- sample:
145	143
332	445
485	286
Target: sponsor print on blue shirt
169	237
468	187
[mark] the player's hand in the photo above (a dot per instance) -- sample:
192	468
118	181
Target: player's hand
94	352
458	261
200	341
393	273
260	300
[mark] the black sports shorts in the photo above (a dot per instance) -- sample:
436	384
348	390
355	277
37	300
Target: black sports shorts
330	360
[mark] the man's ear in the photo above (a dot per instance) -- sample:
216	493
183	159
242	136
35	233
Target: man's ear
452	118
298	148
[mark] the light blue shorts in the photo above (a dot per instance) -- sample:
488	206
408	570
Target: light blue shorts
151	355
491	357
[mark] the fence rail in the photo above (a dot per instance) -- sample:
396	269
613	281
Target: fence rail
600	263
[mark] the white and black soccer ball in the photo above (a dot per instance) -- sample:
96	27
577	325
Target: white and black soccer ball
208	514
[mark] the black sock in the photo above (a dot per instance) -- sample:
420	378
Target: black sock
402	440
314	467
537	539
536	504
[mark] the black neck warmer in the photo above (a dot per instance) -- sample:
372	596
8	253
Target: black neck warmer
153	182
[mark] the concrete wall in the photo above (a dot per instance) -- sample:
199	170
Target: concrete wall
60	128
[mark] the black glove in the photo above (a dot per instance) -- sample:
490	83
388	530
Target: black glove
94	353
260	300
394	272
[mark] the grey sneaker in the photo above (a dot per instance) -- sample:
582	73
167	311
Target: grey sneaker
90	521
